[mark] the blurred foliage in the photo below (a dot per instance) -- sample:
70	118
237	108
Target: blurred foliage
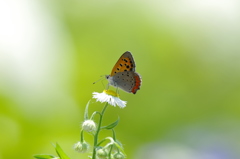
186	52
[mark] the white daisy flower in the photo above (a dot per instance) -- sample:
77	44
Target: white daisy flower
111	97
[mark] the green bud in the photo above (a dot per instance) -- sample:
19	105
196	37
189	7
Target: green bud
89	126
81	147
102	154
118	155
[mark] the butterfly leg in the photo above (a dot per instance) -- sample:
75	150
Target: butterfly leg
115	85
104	85
117	90
107	86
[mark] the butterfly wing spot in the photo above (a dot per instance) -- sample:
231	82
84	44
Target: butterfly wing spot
127	65
125	60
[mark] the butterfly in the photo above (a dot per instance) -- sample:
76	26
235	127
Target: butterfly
123	74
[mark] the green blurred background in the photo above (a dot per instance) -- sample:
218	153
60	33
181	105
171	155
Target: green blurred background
187	53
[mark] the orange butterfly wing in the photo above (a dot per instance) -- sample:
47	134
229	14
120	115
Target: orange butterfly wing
124	63
125	66
138	82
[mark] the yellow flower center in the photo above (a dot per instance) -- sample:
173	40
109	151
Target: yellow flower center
110	92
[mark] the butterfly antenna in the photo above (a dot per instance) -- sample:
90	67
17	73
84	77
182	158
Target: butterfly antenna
98	80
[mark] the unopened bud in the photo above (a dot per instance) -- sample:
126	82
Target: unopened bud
118	155
89	126
81	147
102	154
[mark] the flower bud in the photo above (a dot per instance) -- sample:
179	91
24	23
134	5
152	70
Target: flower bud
89	126
81	147
102	154
118	155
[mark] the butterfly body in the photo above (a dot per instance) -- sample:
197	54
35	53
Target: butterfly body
123	74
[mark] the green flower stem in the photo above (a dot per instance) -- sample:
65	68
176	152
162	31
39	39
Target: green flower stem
82	139
109	155
97	132
114	135
94	113
101	142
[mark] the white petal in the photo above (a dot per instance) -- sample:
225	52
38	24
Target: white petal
112	100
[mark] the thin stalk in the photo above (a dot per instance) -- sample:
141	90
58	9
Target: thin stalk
97	132
114	135
81	138
109	155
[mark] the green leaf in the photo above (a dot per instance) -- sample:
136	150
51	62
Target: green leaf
44	156
60	152
86	111
111	126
